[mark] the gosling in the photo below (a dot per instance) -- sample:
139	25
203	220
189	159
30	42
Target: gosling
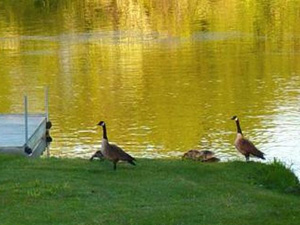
203	156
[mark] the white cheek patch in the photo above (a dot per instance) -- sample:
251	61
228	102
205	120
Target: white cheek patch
236	119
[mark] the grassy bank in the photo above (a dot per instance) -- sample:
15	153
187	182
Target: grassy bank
76	191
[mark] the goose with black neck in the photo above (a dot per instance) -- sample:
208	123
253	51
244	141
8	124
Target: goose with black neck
243	145
113	152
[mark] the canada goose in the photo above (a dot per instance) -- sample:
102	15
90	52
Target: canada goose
113	152
243	145
203	156
97	154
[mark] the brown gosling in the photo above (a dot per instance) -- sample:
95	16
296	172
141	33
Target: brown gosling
204	156
113	152
243	145
97	154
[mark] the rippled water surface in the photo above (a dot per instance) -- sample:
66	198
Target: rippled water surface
166	76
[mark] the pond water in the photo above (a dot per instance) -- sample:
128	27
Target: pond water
166	76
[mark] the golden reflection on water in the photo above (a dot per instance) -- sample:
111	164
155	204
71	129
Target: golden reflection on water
166	76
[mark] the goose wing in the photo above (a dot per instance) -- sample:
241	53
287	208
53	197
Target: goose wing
248	147
122	155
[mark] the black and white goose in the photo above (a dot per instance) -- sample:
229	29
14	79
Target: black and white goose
243	145
113	152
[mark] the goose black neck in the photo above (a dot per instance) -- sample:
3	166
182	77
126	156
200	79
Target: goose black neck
239	130
104	132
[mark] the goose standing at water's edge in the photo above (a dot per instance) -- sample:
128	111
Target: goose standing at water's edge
243	145
113	152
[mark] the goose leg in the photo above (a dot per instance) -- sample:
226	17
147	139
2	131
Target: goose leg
115	165
247	158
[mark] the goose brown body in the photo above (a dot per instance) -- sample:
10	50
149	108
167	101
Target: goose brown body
113	152
243	145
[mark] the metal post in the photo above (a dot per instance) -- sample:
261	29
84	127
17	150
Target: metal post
27	149
47	102
48	122
26	119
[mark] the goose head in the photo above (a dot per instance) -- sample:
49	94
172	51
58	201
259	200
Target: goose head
101	123
235	118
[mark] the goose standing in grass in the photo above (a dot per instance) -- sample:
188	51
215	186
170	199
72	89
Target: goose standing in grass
243	145
113	152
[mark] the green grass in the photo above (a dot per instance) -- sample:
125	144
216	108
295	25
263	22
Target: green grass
76	191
